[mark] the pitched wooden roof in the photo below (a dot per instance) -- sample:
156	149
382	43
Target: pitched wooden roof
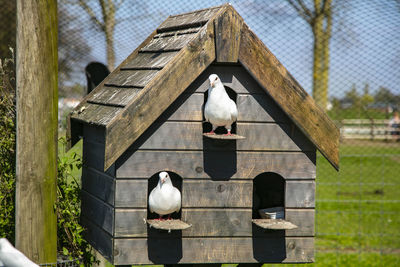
131	98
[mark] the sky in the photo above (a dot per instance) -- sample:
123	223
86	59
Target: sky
365	47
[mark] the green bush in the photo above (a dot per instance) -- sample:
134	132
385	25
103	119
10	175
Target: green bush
70	240
69	231
7	148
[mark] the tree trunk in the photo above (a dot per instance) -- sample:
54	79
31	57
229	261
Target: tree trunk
321	27
109	21
317	28
326	53
36	160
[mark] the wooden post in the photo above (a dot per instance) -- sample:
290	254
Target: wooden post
36	171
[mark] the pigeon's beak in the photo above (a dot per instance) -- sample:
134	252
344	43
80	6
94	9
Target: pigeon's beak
162	180
212	83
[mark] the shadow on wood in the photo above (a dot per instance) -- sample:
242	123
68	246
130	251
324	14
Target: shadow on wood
164	247
219	165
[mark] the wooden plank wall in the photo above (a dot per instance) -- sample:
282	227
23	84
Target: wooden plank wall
217	183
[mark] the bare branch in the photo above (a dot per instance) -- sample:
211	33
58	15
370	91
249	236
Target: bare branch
301	12
91	13
306	10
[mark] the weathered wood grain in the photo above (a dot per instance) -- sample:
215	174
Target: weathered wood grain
285	90
257	137
274	224
251	108
98	211
232	76
213	222
168	43
113	96
98	184
260	108
131	193
74	127
150	60
95	114
227	36
304	219
214	250
206	193
36	128
217	164
131	78
130	223
217	222
169	225
300	194
98	238
178	32
188	20
159	94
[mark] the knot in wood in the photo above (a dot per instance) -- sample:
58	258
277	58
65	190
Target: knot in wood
199	169
220	188
291	245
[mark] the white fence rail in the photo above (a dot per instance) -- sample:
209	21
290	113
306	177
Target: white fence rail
365	129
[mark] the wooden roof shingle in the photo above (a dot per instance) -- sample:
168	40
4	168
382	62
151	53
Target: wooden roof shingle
143	86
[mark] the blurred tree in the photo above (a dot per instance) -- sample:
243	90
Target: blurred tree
106	23
366	98
353	96
8	27
73	49
319	17
384	95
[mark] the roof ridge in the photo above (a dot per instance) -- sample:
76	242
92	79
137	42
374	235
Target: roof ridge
197	11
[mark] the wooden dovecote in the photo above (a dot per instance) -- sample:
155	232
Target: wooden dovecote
147	117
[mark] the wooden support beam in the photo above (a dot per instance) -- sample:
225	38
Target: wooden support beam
227	36
36	171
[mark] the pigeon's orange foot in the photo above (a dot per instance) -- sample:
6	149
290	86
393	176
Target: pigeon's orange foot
229	133
169	217
210	133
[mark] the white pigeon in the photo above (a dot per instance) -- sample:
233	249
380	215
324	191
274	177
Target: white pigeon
12	257
220	109
164	198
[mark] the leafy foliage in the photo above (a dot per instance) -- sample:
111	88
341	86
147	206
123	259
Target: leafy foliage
69	231
7	148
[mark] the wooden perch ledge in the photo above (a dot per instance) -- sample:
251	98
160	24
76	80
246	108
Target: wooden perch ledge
224	137
168	224
274	224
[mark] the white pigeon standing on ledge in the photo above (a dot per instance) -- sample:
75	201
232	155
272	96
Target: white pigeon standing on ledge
220	109
12	257
164	199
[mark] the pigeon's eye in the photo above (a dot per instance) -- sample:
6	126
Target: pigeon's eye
216	78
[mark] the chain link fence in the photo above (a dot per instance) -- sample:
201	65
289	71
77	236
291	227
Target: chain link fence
358	208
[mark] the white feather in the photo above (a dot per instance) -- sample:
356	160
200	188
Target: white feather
164	198
12	257
220	109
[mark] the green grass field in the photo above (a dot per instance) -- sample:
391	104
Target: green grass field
357	208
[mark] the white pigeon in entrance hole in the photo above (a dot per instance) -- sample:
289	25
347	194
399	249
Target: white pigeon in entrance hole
164	199
12	257
220	109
